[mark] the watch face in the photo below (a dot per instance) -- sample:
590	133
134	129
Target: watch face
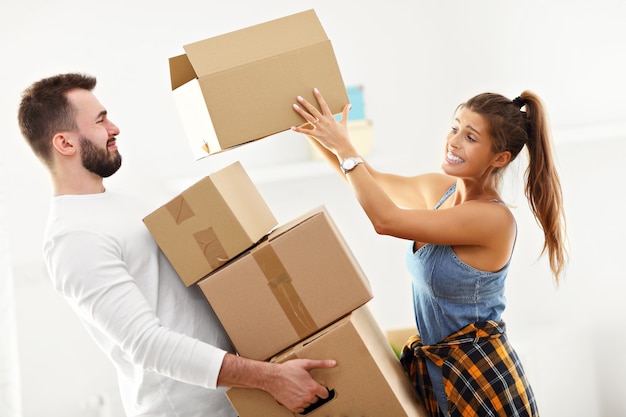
348	164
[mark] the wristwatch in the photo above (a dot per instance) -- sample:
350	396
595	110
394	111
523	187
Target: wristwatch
349	164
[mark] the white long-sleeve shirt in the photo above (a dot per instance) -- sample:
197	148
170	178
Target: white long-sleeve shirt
162	337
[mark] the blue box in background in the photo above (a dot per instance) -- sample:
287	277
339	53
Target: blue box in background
355	95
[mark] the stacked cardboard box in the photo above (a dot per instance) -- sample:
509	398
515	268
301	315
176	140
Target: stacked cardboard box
298	280
289	282
367	380
298	283
211	222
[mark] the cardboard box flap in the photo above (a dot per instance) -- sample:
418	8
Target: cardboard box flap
282	229
292	351
181	71
254	43
314	216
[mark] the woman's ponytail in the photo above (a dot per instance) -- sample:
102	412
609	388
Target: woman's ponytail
543	187
523	122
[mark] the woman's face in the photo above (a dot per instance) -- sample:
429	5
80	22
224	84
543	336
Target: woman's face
468	152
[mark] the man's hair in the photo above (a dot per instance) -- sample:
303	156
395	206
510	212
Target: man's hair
45	110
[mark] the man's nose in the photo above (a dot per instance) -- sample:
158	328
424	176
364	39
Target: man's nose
113	129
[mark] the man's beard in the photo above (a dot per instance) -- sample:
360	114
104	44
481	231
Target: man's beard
99	161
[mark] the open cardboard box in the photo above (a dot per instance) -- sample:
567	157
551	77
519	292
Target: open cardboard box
211	222
292	284
367	381
239	87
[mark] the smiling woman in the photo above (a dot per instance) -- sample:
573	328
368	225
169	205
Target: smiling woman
462	237
415	66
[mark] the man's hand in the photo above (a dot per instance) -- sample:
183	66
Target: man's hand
290	383
293	386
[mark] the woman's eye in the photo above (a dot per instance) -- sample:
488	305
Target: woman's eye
455	129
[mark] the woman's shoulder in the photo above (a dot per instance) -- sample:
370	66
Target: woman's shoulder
435	185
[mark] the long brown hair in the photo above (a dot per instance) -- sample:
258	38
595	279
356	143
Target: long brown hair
511	128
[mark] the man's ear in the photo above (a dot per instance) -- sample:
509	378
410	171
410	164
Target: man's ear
63	144
501	159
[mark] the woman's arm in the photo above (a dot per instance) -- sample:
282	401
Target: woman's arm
402	206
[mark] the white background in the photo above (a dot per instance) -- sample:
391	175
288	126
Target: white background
416	61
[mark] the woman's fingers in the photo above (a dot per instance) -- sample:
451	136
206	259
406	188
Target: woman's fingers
305	114
320	100
311	109
318	122
308	107
345	111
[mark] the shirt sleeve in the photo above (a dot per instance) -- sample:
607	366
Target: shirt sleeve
87	268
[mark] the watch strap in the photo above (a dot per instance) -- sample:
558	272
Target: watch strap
355	160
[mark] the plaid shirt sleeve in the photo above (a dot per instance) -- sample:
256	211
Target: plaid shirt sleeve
482	374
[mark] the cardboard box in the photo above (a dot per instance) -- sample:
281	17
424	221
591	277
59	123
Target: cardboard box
367	381
398	337
300	279
240	86
211	222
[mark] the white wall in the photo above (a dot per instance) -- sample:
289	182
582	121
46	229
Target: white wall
416	60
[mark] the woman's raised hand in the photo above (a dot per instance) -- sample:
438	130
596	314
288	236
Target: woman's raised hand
322	125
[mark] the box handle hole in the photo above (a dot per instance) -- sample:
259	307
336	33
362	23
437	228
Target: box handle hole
319	403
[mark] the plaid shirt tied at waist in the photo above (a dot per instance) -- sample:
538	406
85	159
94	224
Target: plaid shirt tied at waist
482	374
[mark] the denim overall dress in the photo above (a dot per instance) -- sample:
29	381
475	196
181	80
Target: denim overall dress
448	295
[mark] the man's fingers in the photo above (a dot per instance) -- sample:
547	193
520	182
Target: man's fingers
313	364
322	392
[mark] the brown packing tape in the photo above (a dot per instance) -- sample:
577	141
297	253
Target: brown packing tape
179	209
284	292
211	247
